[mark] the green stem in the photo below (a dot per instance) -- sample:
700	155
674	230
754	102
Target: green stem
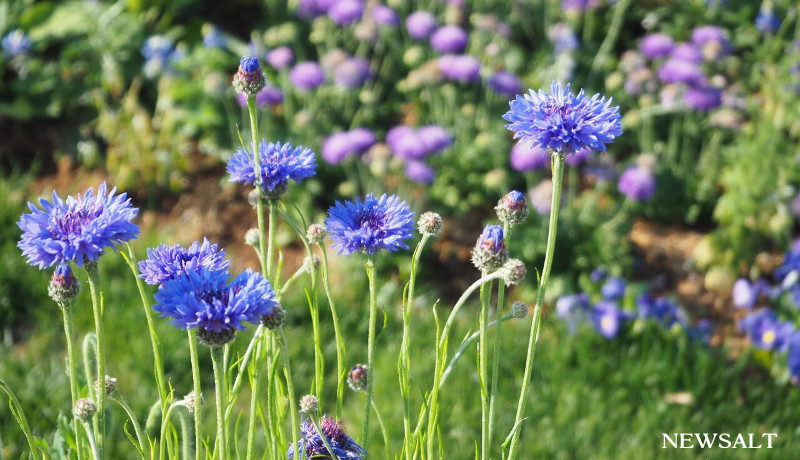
483	376
92	443
373	313
198	394
340	346
255	385
138	429
287	371
237	384
273	224
252	109
219	387
22	421
97	307
602	56
558	176
501	290
466	343
164	425
66	312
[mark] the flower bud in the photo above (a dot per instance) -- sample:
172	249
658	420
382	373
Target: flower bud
275	319
316	233
215	339
519	310
84	409
252	237
512	208
490	250
249	79
308	404
357	378
513	272
192	402
110	385
430	224
308	261
64	287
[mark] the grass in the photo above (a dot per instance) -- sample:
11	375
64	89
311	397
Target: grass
590	397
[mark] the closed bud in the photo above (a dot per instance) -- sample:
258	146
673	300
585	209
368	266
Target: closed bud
192	402
513	272
109	387
252	237
249	79
490	250
215	339
64	287
308	261
357	378
316	233
84	409
309	404
512	208
275	319
430	224
519	310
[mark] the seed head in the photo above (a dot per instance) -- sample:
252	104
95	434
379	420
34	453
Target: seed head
110	385
519	310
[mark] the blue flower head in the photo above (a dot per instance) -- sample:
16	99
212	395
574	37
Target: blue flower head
278	164
793	357
76	229
311	444
16	43
608	318
490	252
370	226
203	299
614	288
165	262
562	121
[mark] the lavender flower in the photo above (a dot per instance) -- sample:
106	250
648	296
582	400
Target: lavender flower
352	73
281	57
528	157
745	294
164	262
562	121
490	252
76	229
677	71
420	25
384	16
434	138
655	46
703	98
341	145
344	12
450	39
607	318
578	158
572	309
370	226
16	43
460	67
311	444
767	21
542	197
269	96
419	172
563	37
687	52
765	331
705	34
410	144
306	76
614	288
505	83
637	183
279	163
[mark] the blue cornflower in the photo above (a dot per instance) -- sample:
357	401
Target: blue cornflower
614	288
562	121
76	229
767	21
660	309
765	331
165	262
279	164
312	445
16	43
370	226
204	299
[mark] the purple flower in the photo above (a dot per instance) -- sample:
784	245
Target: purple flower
598	275
579	5
384	16
572	309
311	445
341	145
420	25
637	183
578	158
614	288
16	43
370	226
745	294
406	143
765	331
704	34
767	21
434	138
344	12
687	52
269	96
659	309
281	57
656	45
562	121
607	318
460	67
793	357
528	158
306	76
542	197
279	163
490	251
164	262
76	229
450	39
310	8
352	73
505	83
676	71
419	172
703	98
563	37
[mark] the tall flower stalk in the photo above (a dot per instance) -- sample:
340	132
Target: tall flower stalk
373	313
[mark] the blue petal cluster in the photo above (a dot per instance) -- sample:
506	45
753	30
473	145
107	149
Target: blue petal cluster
312	445
165	262
279	164
370	226
76	229
562	121
204	299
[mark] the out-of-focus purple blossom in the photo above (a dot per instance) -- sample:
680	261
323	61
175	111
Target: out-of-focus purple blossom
573	309
420	25
639	81
701	331
213	38
384	16
541	197
614	288
637	183
631	60
460	67
341	145
310	9
410	144
580	5
578	158
159	52
344	12
767	21
352	73
281	57
505	83
269	96
712	41
16	43
656	45
598	275
676	71
765	331
608	317
793	357
687	52
703	98
419	172
434	138
563	37
450	39
660	309
306	76
745	294
528	158
789	272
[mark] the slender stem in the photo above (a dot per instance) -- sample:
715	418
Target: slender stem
252	109
384	433
501	290
270	257
198	395
341	351
219	387
287	371
136	427
558	176
237	384
66	312
324	439
466	344
88	427
91	271
255	385
483	376
373	313
164	425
